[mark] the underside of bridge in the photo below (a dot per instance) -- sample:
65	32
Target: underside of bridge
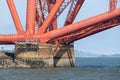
43	44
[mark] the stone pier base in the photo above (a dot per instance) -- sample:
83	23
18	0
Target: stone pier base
33	55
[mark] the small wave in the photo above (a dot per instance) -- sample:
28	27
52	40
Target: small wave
98	66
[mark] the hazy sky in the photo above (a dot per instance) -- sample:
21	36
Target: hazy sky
107	42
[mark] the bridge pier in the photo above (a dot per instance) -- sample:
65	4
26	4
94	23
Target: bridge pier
36	55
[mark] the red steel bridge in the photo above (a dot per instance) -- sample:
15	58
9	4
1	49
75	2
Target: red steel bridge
43	40
41	22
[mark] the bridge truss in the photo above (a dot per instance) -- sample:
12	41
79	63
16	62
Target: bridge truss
41	23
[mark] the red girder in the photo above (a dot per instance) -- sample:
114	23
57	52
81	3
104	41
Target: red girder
50	17
46	37
112	4
74	12
40	12
15	16
90	30
54	23
47	30
10	38
30	22
105	25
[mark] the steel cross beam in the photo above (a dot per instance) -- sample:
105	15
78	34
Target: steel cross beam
47	31
54	24
51	15
73	13
90	30
46	37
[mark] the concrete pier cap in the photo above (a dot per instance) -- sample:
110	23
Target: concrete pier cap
39	55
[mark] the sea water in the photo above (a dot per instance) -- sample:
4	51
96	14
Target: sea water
96	68
98	62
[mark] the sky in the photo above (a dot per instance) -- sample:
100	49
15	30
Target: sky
106	42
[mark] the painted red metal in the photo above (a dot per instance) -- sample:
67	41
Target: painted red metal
11	38
15	16
39	16
31	13
50	17
78	26
54	24
89	31
112	4
74	12
48	32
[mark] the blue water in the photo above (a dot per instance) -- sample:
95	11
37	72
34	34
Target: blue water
98	62
100	68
